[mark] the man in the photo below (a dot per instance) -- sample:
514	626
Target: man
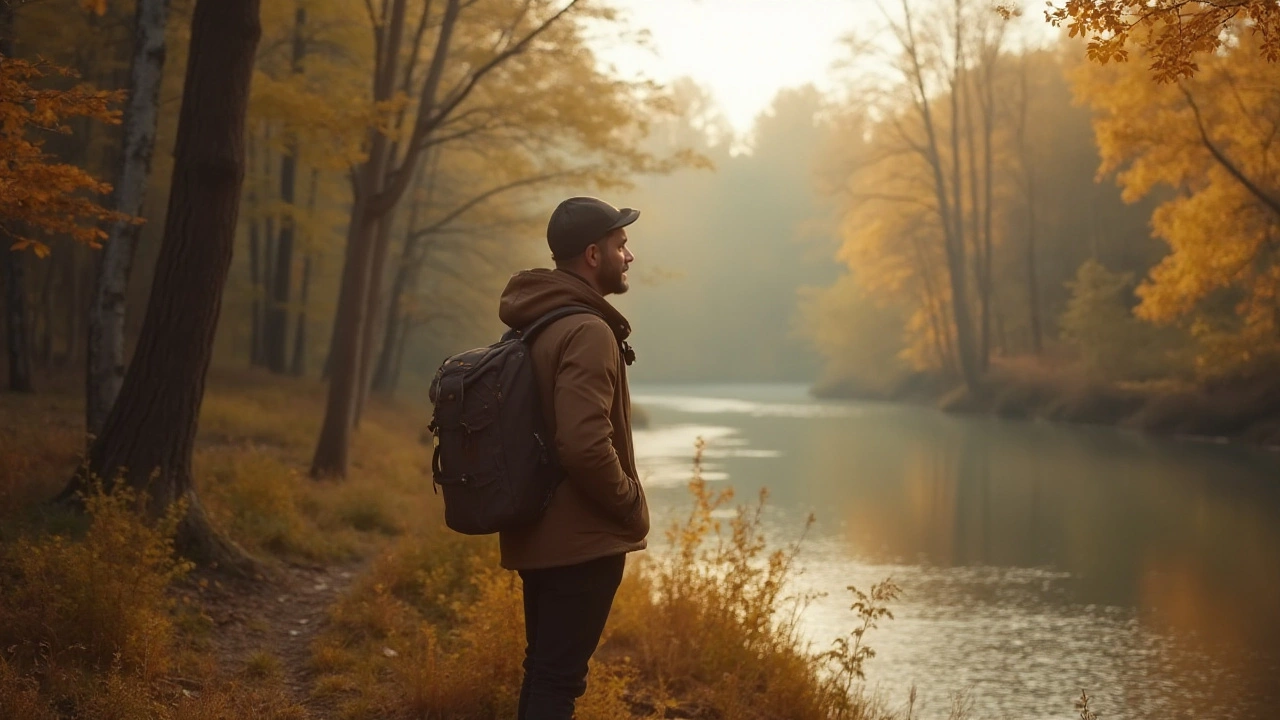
571	560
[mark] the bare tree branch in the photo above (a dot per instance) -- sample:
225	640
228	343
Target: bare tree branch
491	192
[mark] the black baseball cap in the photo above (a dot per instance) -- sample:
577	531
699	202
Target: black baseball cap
581	221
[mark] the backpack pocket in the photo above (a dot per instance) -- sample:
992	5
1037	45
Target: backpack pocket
468	463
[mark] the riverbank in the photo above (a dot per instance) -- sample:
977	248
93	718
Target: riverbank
366	607
1241	411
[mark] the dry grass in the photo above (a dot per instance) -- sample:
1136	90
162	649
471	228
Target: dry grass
436	630
89	626
41	442
95	601
433	629
90	629
711	622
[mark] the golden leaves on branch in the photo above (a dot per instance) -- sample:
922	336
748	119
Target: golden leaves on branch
1170	33
39	196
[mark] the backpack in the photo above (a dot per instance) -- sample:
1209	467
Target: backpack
494	460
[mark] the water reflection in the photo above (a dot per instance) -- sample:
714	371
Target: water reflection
1036	558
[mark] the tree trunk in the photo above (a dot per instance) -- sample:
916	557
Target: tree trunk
255	282
988	108
956	246
975	228
277	326
268	282
402	342
950	210
343	363
330	459
261	246
369	334
106	314
72	308
1027	161
1033	281
149	433
299	367
383	380
16	320
46	317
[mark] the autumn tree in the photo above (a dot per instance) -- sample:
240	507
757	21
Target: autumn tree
1211	140
1173	36
931	178
436	89
1097	323
41	197
1048	214
148	436
521	139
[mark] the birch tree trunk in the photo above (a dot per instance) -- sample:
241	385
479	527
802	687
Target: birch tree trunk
106	365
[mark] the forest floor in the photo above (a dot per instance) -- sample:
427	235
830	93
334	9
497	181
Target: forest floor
365	607
274	619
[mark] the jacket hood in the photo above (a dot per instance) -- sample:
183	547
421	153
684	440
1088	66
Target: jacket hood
530	294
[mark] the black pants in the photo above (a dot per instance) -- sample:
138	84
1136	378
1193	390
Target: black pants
565	609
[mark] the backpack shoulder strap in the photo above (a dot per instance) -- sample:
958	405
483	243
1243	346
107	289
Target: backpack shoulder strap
529	333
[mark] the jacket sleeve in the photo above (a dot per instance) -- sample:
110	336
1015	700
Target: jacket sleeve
584	390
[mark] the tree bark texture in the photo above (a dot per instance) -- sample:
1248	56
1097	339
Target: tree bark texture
373	313
383	380
148	435
106	362
331	455
385	377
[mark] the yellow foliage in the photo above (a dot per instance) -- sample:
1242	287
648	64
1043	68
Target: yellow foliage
1172	35
712	619
20	695
1210	140
99	600
37	194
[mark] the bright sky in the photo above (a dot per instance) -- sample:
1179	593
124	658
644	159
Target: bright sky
744	51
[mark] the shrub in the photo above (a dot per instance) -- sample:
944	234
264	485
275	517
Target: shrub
98	600
262	503
20	696
711	621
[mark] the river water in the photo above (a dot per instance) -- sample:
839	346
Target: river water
1035	559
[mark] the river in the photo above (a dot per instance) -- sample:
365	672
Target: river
1035	559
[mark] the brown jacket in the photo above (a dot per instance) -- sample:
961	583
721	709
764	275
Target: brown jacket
599	509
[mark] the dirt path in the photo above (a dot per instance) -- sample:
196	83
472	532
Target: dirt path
276	617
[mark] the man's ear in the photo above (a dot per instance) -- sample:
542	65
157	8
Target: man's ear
592	255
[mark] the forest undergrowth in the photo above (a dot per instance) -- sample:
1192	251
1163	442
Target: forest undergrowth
366	606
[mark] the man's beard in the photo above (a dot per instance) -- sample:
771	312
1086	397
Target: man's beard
612	280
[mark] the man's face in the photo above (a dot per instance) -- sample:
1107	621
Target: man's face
615	259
